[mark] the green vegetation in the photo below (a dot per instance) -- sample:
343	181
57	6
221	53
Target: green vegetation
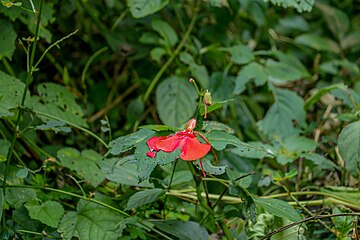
89	90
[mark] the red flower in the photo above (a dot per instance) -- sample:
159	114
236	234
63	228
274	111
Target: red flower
190	147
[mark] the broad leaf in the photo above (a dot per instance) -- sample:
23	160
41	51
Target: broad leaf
251	71
54	125
84	164
143	8
337	21
183	230
318	43
169	37
278	208
17	197
144	197
259	151
49	212
175	101
288	107
126	143
209	167
7	39
219	140
91	221
199	72
55	100
11	90
283	72
123	171
320	161
349	147
240	54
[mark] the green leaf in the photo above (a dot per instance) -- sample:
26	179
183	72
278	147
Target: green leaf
56	101
11	90
212	107
126	143
91	221
157	128
318	43
183	230
321	92
144	197
337	21
84	164
4	149
179	178
175	101
123	171
209	168
349	147
146	164
7	39
54	125
16	197
169	37
283	72
219	140
299	144
240	54
299	5
49	212
199	72
288	107
143	8
251	71
259	151
351	40
278	208
320	161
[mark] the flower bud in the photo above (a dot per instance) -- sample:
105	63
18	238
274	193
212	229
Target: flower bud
207	98
191	124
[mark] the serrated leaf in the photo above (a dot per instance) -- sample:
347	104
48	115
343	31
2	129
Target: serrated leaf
84	164
349	147
288	107
214	125
126	143
4	149
11	90
7	39
318	43
91	221
283	72
240	54
143	8
55	100
16	197
158	128
251	71
321	92
278	208
146	165
299	5
169	36
54	125
175	101
49	212
144	197
123	171
183	230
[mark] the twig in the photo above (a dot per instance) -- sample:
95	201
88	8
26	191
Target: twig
306	220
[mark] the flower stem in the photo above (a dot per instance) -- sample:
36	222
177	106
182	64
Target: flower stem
204	204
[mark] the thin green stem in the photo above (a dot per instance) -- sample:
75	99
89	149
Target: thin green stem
169	187
176	52
73	125
8	67
51	46
17	123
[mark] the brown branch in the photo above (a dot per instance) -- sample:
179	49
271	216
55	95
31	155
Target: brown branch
111	105
306	220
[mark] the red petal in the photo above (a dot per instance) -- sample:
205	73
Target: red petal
151	154
192	149
170	144
151	142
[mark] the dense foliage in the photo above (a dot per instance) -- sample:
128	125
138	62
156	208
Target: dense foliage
84	85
